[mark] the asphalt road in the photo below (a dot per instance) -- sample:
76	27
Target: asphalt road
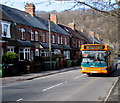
66	86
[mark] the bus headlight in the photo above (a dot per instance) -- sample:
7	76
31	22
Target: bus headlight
104	69
83	69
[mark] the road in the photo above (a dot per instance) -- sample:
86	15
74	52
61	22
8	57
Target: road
66	86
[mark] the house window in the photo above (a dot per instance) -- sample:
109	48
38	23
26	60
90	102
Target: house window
67	54
22	33
43	37
10	49
57	51
66	41
44	53
36	52
59	39
24	53
53	38
5	29
32	36
36	35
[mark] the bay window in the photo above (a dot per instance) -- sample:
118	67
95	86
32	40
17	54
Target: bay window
10	49
24	54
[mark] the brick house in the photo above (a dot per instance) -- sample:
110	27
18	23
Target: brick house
27	35
75	41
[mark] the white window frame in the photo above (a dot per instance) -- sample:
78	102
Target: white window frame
66	41
44	37
32	35
53	38
25	51
45	52
23	33
67	54
36	36
11	49
3	23
36	52
59	39
57	51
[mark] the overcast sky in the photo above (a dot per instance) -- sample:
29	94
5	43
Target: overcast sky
43	5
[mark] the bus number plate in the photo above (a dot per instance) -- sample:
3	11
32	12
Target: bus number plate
93	72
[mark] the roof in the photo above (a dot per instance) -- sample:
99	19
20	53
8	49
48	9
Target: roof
90	38
70	31
22	17
54	27
45	45
13	43
25	43
4	16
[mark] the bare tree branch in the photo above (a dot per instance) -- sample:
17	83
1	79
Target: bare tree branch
102	11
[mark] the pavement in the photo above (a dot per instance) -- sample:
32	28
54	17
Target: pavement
10	80
6	81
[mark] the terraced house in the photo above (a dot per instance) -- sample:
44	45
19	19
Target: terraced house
28	35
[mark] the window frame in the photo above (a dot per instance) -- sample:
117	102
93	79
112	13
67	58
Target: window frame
8	29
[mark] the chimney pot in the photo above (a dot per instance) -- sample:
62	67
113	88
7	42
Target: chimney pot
53	18
30	8
71	25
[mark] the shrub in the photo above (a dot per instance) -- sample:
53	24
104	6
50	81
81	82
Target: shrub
10	58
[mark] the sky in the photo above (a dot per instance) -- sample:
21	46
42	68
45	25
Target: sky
43	5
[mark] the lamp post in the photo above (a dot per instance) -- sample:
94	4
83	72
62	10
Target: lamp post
50	51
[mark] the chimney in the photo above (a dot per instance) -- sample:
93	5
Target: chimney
98	36
81	30
91	33
72	26
53	18
30	8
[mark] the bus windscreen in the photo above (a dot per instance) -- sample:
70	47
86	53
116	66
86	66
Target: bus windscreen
94	56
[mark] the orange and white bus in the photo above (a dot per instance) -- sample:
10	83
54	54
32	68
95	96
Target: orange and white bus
96	58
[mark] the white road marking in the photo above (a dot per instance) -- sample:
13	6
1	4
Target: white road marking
19	99
66	81
52	86
78	76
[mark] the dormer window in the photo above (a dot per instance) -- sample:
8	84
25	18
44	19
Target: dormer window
32	36
5	29
22	33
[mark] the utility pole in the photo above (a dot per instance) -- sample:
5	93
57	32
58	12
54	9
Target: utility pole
50	51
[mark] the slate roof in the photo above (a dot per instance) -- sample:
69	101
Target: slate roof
70	31
22	17
4	16
54	27
85	36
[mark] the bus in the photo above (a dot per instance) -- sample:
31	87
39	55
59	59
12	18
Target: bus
96	58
